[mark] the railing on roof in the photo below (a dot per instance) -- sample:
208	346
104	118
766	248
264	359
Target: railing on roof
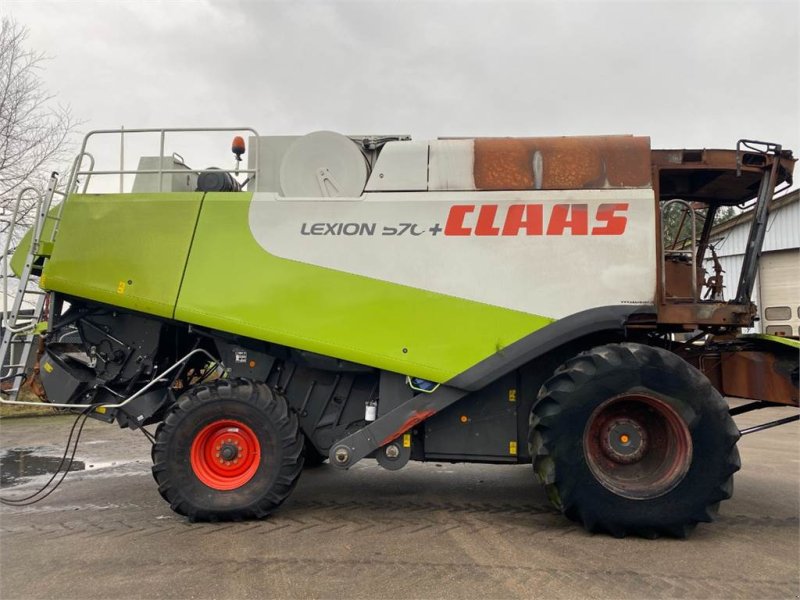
77	170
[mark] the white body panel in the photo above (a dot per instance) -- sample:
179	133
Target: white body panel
400	166
452	165
171	182
401	238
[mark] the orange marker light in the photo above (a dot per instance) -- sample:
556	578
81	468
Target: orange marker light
464	418
624	438
237	147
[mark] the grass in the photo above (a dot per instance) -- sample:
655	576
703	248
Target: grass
8	411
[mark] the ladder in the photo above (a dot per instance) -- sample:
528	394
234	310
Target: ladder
20	326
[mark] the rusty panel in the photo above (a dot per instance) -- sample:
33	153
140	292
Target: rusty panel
710	175
692	314
678	277
600	162
757	375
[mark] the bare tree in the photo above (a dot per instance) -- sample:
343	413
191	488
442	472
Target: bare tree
34	129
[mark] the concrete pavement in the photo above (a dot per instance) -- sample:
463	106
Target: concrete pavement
430	530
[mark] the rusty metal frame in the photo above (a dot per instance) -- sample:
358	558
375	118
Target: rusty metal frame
758	229
772	165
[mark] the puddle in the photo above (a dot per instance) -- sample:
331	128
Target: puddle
17	465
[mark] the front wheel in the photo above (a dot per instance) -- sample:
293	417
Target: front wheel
631	439
229	450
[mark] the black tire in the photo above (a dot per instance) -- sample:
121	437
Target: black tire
589	433
276	459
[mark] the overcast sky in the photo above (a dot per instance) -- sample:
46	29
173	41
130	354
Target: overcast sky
688	74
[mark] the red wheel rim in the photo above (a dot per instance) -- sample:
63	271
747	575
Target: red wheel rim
225	454
637	446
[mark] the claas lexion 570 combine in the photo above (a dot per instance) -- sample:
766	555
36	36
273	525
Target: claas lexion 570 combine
492	300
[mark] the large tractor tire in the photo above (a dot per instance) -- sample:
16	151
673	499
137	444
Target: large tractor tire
631	439
228	450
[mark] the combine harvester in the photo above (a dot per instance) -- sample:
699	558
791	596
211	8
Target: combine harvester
493	300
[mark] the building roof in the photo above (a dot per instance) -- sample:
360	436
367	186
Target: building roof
783	229
747	216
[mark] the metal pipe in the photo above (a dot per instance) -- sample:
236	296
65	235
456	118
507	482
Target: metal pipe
689	208
167	129
89	174
41	214
7	248
121	159
752	406
161	171
769	425
75	171
156	171
161	162
127	400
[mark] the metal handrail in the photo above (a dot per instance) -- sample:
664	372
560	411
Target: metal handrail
7	248
690	210
129	398
76	164
162	139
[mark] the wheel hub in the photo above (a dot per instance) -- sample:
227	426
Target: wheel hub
624	441
225	454
228	452
637	446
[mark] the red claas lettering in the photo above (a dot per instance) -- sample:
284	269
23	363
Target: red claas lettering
535	219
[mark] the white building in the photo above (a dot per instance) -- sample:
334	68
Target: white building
777	287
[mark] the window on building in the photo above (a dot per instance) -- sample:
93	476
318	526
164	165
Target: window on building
782	330
778	313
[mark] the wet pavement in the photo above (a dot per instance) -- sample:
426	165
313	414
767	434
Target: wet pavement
429	530
18	465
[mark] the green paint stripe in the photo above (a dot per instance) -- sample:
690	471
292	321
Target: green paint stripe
233	284
773	338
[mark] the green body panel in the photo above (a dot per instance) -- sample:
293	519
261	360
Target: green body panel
232	284
773	338
208	270
126	250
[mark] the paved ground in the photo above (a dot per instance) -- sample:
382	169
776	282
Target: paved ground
427	531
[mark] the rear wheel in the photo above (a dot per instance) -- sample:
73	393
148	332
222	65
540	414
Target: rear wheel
227	451
631	439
